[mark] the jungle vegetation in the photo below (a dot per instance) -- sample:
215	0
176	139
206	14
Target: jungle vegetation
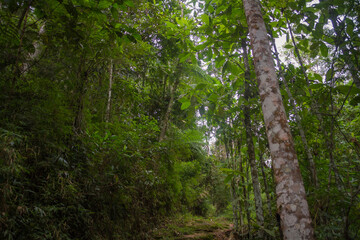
119	116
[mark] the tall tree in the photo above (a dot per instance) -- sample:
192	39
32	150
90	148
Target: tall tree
291	197
250	143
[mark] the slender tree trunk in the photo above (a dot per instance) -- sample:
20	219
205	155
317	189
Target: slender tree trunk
297	118
315	108
291	197
242	183
247	200
234	185
165	122
23	17
238	156
262	163
234	205
80	90
230	163
250	144
108	106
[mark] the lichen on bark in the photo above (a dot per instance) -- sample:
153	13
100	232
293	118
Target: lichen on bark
291	199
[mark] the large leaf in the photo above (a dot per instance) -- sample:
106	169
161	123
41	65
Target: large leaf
185	105
316	86
345	89
104	4
213	98
323	49
205	18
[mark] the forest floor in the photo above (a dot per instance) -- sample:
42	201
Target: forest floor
191	228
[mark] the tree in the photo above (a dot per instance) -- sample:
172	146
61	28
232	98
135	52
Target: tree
250	142
290	191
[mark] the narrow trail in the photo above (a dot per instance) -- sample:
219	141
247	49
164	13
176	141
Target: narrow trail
199	228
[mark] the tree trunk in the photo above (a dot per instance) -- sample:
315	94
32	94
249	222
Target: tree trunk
79	100
291	197
244	184
234	186
247	201
165	122
238	156
230	163
108	106
262	163
250	144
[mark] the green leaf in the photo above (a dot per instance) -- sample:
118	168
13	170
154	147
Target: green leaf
318	77
129	3
225	67
213	98
185	105
184	57
345	89
355	101
104	4
324	49
219	61
201	46
209	54
170	24
235	12
288	46
270	232
329	40
137	36
350	27
329	74
316	86
201	86
228	178
205	18
318	30
211	9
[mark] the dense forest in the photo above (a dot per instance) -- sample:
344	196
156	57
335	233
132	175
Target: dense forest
126	119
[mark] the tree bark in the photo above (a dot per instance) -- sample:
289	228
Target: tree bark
250	144
108	106
291	197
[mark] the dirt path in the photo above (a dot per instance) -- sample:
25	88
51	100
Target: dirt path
195	229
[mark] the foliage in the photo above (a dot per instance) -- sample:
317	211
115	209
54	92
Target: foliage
88	87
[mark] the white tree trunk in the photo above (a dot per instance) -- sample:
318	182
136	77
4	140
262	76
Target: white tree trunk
291	198
108	106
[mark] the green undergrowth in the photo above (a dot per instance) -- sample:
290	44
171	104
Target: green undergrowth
191	227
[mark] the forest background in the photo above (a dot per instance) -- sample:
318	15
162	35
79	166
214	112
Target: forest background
116	115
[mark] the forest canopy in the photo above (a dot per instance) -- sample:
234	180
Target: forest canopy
120	117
